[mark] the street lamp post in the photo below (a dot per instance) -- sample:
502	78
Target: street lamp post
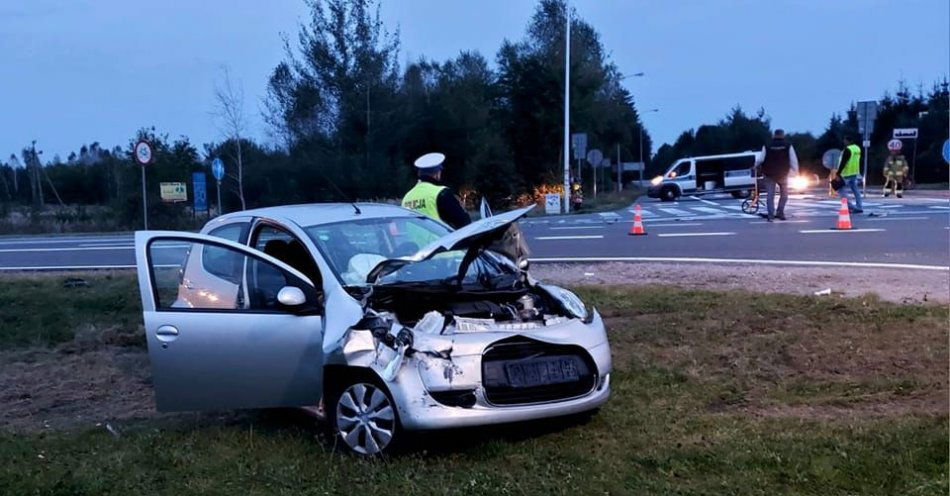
619	163
567	106
642	164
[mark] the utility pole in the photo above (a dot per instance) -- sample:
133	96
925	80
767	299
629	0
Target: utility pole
567	106
619	170
642	164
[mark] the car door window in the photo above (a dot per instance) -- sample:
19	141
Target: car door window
182	281
217	260
285	247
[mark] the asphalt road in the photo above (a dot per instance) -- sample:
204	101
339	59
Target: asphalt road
912	231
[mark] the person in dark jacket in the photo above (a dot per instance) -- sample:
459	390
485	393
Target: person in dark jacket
777	161
430	197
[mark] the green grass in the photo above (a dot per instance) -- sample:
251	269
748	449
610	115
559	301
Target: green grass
697	408
40	310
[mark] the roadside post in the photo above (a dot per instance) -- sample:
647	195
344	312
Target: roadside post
143	155
200	191
909	133
217	170
867	114
946	151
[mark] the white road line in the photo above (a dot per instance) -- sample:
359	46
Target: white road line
673	211
109	245
935	207
674	235
675	224
822	231
754	261
705	201
710	210
551	238
69	267
575	227
88	248
878	219
60	241
781	222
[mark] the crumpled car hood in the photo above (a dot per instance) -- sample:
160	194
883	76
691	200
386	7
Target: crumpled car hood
483	233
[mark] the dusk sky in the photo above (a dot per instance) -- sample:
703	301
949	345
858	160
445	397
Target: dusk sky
80	71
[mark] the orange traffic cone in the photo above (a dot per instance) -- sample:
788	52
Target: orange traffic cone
637	229
844	216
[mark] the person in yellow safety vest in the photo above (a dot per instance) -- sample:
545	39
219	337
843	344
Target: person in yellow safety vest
432	198
849	172
895	170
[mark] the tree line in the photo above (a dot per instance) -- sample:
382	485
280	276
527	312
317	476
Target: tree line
347	120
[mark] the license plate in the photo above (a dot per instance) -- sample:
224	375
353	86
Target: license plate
541	371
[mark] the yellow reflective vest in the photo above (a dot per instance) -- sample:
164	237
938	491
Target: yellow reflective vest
423	198
853	166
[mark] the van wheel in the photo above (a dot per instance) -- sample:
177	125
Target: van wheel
362	415
741	194
668	193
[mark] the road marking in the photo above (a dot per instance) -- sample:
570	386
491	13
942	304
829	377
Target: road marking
705	201
109	245
820	231
673	235
936	207
579	236
675	224
878	219
70	267
59	241
709	210
753	261
673	211
90	248
780	222
575	227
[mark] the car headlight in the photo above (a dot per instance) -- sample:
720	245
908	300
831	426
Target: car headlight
570	301
656	180
798	182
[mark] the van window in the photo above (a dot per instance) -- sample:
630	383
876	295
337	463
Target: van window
682	169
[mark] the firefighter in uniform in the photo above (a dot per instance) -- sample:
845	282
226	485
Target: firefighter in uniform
432	198
895	170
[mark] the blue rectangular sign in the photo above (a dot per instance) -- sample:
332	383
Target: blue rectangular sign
200	191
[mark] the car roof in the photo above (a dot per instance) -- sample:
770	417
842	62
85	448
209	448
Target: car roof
310	214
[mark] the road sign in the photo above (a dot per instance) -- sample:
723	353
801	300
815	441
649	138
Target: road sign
831	158
143	152
173	192
866	143
594	157
217	168
200	191
633	166
552	203
946	151
905	133
867	113
895	145
579	144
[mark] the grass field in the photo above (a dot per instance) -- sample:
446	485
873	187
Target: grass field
713	393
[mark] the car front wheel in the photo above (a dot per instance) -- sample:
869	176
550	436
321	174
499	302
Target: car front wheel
668	193
364	418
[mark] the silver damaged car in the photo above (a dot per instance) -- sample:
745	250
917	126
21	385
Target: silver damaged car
389	320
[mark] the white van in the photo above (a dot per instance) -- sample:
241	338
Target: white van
729	173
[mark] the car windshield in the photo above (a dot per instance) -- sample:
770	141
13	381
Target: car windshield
354	248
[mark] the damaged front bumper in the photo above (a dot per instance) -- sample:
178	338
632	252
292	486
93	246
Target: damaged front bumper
442	383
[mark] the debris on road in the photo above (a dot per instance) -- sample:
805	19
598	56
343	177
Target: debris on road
823	292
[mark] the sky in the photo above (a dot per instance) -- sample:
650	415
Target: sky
78	71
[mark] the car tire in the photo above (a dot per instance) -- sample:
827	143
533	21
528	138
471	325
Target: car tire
362	417
741	194
668	193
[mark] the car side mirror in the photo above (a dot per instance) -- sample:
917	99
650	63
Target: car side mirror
291	296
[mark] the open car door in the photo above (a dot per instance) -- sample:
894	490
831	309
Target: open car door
227	326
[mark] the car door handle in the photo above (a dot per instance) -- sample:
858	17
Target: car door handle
167	333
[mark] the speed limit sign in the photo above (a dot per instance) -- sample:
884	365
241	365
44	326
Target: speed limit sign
895	145
143	152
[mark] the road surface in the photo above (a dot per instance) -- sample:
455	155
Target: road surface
912	232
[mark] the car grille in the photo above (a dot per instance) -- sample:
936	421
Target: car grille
499	391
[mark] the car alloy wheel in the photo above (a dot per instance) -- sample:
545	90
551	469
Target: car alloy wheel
365	420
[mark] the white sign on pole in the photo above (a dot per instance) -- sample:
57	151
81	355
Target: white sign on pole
867	114
905	133
143	152
866	144
579	144
633	166
895	145
552	203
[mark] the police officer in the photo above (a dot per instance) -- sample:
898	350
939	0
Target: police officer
849	170
895	170
432	198
777	161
